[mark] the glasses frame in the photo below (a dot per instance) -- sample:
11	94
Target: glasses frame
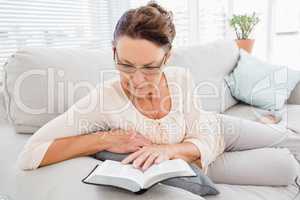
143	68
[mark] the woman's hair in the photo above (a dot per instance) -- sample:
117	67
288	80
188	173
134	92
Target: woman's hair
151	22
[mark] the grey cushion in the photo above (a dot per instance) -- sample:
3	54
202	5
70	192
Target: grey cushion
260	83
200	184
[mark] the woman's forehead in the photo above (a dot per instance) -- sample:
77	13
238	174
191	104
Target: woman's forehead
138	50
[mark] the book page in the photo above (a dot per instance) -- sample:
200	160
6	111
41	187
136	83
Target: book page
119	170
127	176
167	169
167	166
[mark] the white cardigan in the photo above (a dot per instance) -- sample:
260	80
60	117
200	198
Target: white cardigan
107	106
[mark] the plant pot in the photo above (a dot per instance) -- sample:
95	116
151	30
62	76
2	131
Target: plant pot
247	44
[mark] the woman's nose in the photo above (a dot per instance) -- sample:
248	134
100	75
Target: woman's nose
138	78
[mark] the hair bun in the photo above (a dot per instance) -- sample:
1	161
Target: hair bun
158	7
151	22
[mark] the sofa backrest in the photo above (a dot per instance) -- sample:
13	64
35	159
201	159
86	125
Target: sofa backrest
49	80
41	83
209	64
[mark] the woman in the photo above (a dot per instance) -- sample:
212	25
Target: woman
151	112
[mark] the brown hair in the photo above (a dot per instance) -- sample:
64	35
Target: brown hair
151	22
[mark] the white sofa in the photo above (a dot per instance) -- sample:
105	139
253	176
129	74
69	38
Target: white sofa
209	64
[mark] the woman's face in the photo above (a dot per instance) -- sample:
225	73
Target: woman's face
139	53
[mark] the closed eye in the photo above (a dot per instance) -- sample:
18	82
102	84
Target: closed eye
151	68
125	65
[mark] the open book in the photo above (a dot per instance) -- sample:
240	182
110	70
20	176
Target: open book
114	173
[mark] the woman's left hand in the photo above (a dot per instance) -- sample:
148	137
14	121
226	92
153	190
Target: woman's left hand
149	155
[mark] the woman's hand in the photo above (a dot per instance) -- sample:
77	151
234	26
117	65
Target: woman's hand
155	154
124	141
149	155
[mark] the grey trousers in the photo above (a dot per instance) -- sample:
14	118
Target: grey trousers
256	154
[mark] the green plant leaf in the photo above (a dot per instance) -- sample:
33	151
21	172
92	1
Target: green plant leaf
243	25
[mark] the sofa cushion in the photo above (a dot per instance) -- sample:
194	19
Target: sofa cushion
261	84
209	64
41	83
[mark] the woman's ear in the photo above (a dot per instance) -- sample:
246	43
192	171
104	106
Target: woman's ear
114	52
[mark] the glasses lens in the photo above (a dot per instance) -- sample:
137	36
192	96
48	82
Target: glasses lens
145	70
151	70
126	68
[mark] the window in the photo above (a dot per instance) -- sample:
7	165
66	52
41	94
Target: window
277	36
63	23
90	23
286	37
213	20
196	21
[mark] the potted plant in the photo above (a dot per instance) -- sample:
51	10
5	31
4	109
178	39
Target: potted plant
243	26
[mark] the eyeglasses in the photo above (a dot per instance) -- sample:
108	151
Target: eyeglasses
130	69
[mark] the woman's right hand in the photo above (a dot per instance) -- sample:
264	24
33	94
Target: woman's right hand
124	141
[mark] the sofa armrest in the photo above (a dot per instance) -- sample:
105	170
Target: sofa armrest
295	95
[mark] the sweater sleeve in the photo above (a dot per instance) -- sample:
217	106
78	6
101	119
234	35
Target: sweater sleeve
82	117
203	128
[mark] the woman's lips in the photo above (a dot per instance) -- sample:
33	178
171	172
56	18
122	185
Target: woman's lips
138	88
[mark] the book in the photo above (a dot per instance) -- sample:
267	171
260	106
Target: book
126	176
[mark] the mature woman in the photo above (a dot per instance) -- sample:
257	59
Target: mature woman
148	111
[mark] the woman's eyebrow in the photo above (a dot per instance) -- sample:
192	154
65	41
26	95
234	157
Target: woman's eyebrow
151	63
128	62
